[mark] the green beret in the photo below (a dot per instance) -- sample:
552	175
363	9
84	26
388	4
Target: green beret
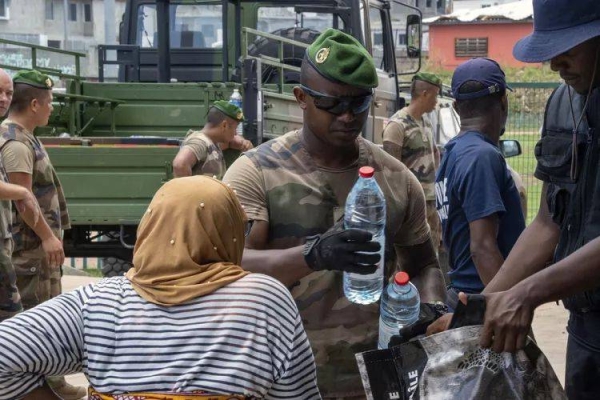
429	78
341	58
231	110
33	78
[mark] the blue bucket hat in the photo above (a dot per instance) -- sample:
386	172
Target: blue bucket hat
558	26
482	70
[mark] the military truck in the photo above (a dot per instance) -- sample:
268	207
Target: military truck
112	142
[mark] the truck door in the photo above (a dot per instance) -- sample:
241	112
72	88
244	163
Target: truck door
380	43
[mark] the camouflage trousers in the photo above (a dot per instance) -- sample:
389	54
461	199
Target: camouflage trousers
433	219
37	282
10	301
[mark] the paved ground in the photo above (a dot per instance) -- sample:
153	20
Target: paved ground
549	327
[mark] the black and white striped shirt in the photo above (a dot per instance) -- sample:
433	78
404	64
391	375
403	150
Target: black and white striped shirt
245	338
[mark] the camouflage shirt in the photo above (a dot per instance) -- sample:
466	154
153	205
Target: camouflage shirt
46	188
415	140
209	155
279	182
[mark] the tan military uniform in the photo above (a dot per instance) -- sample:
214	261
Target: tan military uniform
278	182
418	154
10	300
209	155
23	152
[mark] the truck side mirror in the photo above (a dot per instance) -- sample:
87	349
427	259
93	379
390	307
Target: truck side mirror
413	36
510	148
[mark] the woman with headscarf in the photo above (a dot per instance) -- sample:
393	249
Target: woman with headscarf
186	322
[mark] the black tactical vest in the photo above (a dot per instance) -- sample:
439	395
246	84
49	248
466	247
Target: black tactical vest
568	162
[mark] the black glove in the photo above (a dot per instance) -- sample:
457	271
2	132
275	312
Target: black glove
427	314
340	249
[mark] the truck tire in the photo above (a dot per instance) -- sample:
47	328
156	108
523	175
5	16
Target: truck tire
113	266
292	55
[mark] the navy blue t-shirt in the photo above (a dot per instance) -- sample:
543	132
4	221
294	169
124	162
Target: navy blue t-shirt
473	182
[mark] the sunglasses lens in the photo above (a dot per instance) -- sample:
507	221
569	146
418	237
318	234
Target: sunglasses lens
355	105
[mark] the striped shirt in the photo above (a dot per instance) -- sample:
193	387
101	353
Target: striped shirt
245	338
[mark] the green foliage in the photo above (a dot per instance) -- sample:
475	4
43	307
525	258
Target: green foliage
535	73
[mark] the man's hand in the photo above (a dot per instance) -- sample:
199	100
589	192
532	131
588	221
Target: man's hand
241	144
29	204
343	250
508	318
440	325
55	254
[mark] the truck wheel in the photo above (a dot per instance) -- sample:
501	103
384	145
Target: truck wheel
113	266
292	55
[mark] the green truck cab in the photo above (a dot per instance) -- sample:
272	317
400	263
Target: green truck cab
112	143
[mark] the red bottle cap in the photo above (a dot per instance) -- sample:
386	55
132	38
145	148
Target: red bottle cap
401	278
366	172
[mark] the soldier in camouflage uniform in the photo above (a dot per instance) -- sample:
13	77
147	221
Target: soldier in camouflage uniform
38	252
295	187
10	300
201	151
409	138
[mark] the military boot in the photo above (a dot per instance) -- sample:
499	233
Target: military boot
64	390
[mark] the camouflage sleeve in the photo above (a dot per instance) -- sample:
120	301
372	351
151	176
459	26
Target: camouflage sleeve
198	146
246	179
414	229
394	133
17	157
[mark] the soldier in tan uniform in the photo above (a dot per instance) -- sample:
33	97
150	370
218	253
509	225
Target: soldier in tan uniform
409	138
38	253
295	187
10	300
201	151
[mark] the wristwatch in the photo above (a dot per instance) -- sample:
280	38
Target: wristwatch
438	307
311	241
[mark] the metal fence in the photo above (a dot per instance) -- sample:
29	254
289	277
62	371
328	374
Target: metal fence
527	104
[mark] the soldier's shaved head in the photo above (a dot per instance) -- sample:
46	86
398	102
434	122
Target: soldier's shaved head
418	88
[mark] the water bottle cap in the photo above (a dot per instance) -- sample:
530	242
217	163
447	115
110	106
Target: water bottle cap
366	172
401	278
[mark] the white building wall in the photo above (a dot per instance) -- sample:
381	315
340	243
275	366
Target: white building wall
42	22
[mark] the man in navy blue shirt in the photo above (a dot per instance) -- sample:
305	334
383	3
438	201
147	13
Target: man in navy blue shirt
476	197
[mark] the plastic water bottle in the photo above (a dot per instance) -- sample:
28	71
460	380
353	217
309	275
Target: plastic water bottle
400	306
236	99
365	209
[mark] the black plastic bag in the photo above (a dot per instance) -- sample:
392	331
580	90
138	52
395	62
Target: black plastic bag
452	365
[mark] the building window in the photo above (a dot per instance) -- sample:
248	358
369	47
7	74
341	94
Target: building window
50	9
4	9
417	3
55	44
73	12
471	47
87	12
428	3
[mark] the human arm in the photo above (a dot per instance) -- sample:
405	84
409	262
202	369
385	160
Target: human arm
183	162
44	341
393	139
52	245
415	248
25	200
531	253
336	249
296	376
238	143
484	249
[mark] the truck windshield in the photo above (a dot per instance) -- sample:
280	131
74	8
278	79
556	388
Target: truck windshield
273	18
192	26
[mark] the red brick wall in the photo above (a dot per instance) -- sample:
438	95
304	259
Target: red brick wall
501	39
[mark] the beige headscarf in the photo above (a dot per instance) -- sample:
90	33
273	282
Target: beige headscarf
189	242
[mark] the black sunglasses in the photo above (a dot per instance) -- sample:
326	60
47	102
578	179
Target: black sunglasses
248	228
339	105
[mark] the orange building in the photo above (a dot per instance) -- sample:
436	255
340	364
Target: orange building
489	32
